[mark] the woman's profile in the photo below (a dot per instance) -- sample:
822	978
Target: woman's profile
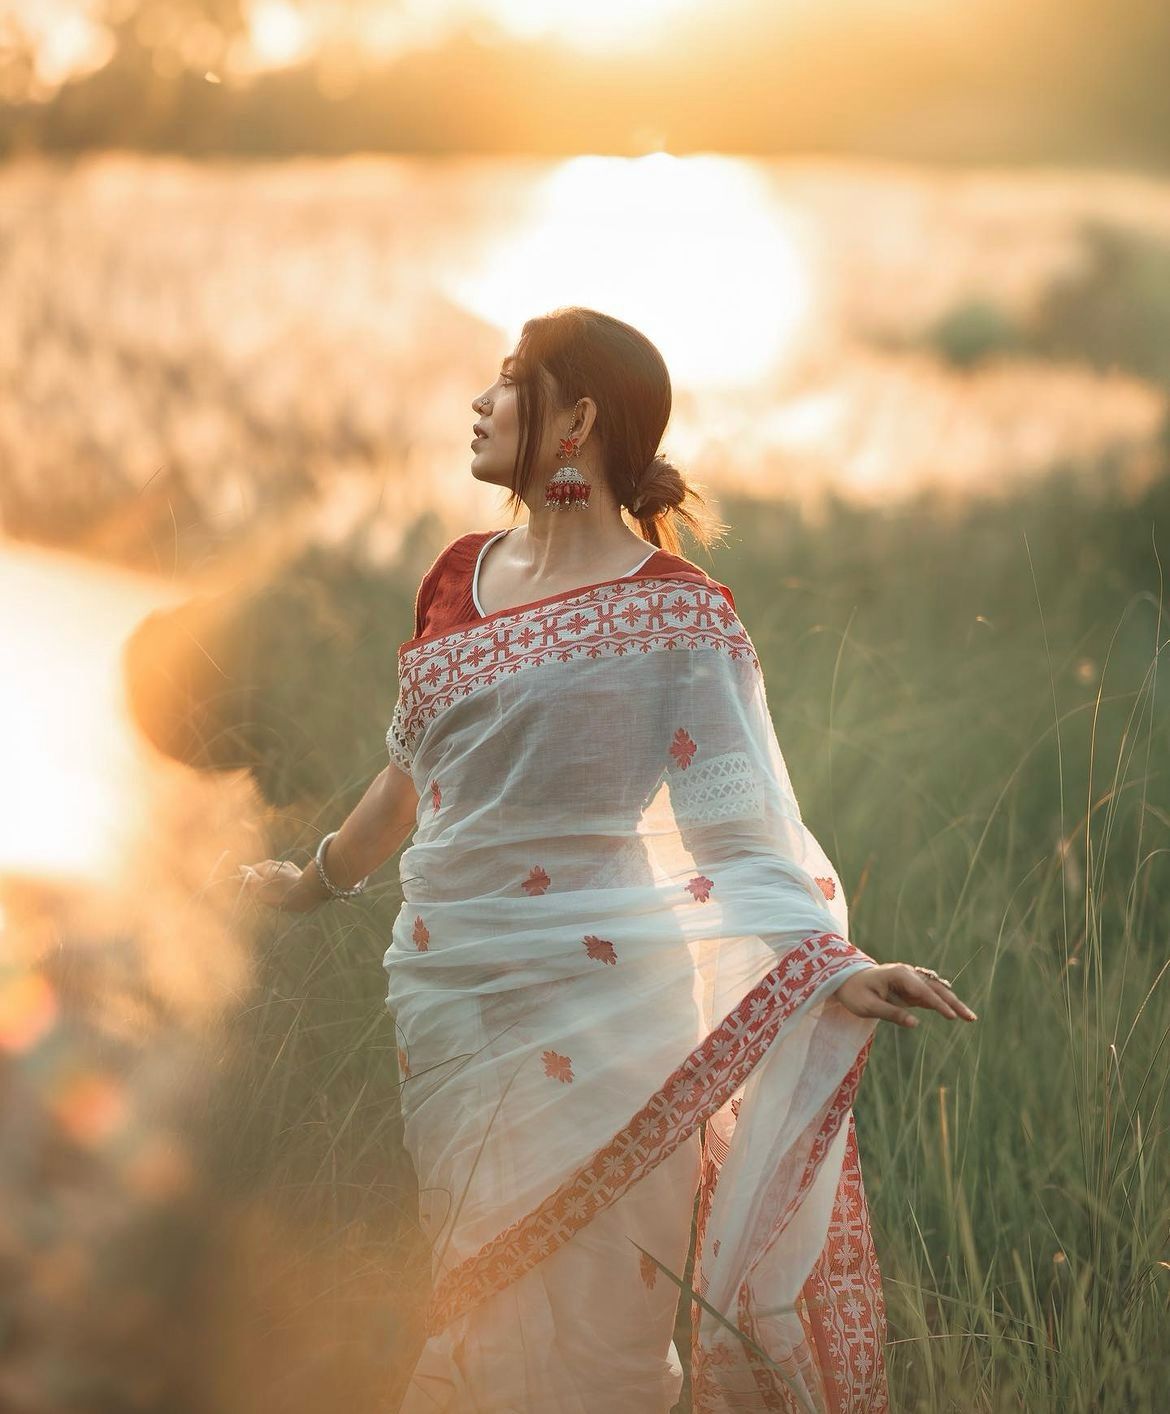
621	977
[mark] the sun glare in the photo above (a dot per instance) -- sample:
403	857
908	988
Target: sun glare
68	753
695	251
278	32
282	32
596	25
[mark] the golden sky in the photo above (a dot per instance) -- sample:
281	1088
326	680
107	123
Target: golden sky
70	39
924	80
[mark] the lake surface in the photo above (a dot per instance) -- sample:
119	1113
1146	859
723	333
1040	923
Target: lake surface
215	343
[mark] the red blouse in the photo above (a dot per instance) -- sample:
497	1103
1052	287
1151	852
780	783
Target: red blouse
446	599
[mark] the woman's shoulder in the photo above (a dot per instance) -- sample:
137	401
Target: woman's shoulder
671	566
445	576
444	593
459	551
457	555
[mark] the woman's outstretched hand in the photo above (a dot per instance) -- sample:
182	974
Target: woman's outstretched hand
275	882
885	991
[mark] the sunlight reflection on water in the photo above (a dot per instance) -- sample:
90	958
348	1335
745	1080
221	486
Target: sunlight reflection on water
694	251
253	336
68	756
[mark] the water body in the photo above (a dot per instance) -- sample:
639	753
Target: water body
196	345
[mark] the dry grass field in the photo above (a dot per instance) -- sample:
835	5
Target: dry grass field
236	402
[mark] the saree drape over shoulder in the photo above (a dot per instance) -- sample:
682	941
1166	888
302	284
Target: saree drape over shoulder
615	926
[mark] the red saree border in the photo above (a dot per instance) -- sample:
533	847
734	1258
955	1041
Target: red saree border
608	620
841	1305
844	1300
704	1081
682	576
773	1393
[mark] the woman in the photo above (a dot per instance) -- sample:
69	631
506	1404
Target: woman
621	973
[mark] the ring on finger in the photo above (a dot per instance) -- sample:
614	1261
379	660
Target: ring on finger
931	975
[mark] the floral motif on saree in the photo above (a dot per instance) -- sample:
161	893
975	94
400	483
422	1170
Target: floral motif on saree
627	933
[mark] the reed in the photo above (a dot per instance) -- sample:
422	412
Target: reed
967	700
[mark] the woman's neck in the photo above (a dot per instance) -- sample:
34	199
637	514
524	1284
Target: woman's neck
563	541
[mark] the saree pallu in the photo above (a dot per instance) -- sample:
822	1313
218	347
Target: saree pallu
612	981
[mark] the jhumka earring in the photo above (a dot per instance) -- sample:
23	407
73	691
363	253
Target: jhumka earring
567	487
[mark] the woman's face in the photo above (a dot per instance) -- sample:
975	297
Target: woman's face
496	408
494	452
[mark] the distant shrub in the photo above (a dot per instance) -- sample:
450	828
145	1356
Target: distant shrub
973	331
1115	313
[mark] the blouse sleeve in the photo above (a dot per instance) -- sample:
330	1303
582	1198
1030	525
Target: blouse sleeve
426	592
397	746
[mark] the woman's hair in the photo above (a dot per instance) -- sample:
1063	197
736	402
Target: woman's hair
589	354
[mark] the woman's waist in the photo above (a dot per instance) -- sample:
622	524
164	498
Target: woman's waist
461	865
468	868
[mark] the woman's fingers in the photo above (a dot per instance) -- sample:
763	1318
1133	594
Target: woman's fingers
869	995
268	868
887	1011
959	1006
912	987
956	1008
937	998
269	881
888	990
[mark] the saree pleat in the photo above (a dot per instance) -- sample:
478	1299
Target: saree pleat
587	1329
612	978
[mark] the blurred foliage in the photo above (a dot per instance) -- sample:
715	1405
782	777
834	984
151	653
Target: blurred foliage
192	683
974	331
1112	313
1058	80
942	744
965	695
1115	313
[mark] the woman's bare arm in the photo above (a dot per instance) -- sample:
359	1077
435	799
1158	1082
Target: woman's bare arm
368	836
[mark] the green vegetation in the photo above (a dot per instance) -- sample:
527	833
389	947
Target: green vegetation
967	701
1113	312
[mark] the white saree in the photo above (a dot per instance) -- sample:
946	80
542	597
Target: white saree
615	926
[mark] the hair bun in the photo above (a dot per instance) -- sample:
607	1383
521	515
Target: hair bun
660	488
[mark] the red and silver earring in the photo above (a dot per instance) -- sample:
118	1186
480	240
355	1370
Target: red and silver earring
567	487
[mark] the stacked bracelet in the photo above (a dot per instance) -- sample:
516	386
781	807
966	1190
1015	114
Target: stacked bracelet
334	891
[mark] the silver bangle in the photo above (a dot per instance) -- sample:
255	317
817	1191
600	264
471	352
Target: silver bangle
334	891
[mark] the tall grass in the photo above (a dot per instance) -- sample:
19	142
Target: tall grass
971	707
967	700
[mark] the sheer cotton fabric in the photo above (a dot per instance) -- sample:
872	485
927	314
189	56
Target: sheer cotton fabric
615	925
